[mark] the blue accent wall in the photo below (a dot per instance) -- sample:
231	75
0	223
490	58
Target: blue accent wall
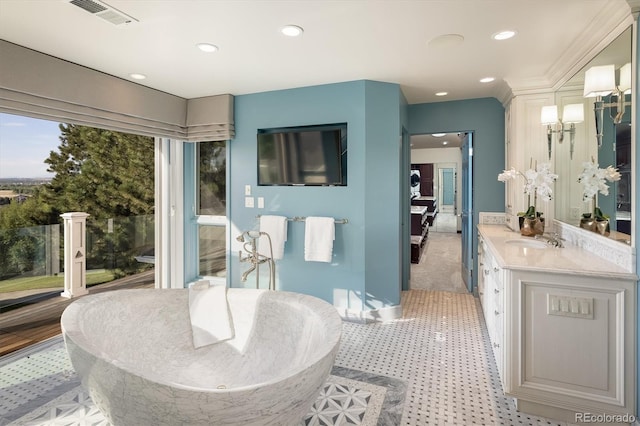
381	194
485	118
365	270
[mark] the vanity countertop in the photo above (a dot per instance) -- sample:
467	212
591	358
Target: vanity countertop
419	210
569	259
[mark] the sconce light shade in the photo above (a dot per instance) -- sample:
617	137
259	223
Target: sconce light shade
549	114
573	113
625	78
599	81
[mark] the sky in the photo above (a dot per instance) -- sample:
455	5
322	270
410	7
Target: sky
24	145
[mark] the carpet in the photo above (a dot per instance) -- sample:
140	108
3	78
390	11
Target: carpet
440	265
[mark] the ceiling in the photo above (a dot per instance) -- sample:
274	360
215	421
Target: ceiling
395	41
447	140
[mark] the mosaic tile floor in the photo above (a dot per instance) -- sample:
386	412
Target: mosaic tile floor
39	387
432	367
441	350
341	402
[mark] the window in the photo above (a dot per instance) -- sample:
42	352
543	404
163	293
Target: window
212	182
211	207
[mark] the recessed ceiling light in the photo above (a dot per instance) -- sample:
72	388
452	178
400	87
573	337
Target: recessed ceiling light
444	142
487	80
438	135
503	35
442	93
207	47
291	30
136	76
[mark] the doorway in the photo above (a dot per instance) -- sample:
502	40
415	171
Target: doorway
441	265
447	189
446	192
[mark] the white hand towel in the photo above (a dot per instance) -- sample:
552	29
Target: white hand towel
319	233
209	312
276	227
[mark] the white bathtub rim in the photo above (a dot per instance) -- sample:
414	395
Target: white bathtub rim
324	309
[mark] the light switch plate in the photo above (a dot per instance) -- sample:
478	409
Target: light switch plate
568	306
261	202
248	202
247	190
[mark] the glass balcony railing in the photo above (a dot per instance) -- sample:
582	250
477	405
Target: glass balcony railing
31	264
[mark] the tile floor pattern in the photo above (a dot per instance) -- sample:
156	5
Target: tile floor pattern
341	402
441	349
438	353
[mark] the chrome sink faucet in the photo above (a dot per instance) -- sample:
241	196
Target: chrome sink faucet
554	239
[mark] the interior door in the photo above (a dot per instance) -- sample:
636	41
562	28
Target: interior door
467	210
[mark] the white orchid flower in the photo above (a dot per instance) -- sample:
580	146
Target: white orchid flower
507	175
537	182
593	179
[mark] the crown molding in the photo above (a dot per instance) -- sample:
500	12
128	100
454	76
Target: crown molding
503	93
635	7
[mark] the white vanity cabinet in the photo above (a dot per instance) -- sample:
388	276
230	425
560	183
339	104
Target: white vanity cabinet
572	343
492	301
562	324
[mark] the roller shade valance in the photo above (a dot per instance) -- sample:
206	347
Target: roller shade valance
41	86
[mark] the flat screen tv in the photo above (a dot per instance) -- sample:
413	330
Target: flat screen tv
307	155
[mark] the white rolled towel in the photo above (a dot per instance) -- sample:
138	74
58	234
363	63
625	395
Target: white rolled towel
319	233
209	313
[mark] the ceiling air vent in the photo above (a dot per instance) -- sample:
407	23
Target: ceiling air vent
104	11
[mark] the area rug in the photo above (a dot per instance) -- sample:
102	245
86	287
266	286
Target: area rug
349	397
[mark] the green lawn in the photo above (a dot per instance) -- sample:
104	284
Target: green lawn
32	283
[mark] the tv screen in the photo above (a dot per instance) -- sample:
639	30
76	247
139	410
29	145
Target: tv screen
308	155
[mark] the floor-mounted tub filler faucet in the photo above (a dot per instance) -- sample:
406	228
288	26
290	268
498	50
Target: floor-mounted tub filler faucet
249	239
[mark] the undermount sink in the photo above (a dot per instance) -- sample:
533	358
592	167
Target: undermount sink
527	243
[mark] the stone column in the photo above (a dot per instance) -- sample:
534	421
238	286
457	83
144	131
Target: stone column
75	259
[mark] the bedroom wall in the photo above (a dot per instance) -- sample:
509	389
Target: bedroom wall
441	156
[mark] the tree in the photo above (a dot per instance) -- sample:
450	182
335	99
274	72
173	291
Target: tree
104	173
109	175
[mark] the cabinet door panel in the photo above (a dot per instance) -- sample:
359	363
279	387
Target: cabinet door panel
581	346
575	341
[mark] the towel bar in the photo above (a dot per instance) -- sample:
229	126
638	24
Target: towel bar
302	219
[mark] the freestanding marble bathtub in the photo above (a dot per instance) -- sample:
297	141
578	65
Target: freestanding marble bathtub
134	353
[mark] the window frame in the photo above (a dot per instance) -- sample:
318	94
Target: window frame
195	220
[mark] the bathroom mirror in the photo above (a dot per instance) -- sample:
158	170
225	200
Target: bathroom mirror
614	149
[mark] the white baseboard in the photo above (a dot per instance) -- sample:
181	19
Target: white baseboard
374	315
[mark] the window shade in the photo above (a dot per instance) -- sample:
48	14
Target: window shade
41	86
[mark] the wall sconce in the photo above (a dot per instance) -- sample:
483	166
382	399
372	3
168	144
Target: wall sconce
572	114
600	81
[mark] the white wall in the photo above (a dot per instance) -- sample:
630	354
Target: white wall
445	157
